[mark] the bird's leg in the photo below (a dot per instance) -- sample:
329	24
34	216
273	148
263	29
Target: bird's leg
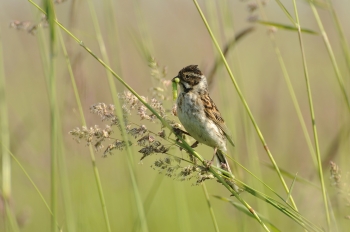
215	150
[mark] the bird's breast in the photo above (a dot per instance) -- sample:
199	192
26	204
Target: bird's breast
190	111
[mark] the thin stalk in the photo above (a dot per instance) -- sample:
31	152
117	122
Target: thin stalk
258	179
211	210
251	210
289	16
63	170
314	128
146	45
331	55
11	218
5	140
64	182
53	114
119	113
113	35
245	103
30	180
4	133
295	102
343	40
151	196
289	212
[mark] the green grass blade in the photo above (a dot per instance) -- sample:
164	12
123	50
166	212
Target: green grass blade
343	40
295	101
290	175
150	198
51	16
331	56
286	12
249	208
241	208
211	210
291	188
11	224
4	132
312	115
287	27
30	180
284	207
6	174
226	49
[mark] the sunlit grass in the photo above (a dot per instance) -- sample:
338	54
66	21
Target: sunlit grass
133	40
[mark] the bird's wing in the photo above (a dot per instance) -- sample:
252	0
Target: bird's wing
213	113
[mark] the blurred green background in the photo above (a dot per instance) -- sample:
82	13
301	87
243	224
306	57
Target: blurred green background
174	34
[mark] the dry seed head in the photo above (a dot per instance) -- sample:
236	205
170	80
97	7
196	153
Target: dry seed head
335	174
272	30
161	134
147	139
253	18
137	131
118	144
252	6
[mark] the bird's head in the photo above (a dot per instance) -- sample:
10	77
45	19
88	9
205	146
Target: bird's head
190	78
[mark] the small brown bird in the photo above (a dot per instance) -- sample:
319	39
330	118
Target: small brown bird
199	115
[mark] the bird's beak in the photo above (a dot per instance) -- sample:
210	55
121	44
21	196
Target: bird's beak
176	80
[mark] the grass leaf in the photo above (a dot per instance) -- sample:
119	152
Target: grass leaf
287	27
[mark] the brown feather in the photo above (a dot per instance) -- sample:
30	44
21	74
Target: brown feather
213	113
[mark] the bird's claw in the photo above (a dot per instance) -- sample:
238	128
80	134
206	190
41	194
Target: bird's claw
208	163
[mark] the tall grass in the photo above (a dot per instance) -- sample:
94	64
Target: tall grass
114	47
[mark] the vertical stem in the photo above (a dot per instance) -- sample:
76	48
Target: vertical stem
314	129
5	143
53	114
331	55
211	210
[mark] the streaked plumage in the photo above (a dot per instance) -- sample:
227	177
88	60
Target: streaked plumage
199	114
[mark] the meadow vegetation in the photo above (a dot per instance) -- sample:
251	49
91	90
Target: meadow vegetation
89	139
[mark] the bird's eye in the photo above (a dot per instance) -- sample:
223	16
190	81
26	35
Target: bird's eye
186	77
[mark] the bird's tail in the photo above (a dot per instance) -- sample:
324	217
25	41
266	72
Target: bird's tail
223	164
222	161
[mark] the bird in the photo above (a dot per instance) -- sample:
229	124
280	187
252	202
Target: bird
199	115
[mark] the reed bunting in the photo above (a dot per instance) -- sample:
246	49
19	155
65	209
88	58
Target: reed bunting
199	115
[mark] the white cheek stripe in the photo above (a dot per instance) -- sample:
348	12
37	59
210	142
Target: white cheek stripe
187	86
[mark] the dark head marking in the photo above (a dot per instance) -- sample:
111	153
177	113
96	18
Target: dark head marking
191	69
190	74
